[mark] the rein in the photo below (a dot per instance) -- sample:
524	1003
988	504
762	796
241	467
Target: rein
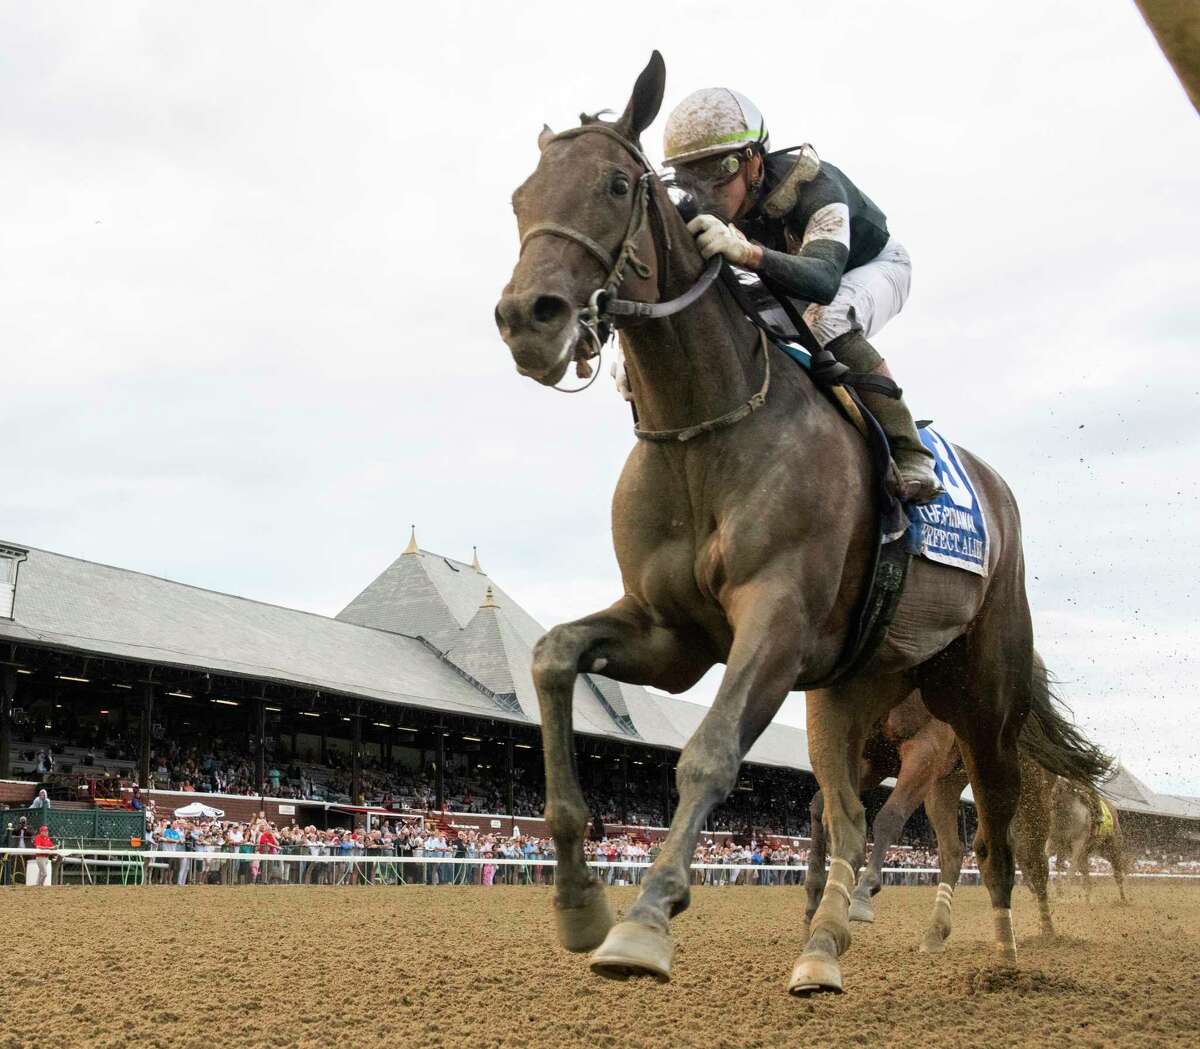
601	314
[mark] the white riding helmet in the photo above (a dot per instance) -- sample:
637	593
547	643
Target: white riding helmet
710	121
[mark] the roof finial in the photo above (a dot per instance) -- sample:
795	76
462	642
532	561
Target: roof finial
489	599
412	547
475	559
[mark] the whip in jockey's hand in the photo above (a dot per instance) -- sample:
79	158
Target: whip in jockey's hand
809	231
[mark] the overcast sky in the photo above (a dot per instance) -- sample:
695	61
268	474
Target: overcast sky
249	255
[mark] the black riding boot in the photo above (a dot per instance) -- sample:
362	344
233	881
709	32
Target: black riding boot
914	462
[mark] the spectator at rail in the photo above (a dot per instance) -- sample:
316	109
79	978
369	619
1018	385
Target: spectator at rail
38	869
42	801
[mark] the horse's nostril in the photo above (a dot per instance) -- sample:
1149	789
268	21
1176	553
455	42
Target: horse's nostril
549	309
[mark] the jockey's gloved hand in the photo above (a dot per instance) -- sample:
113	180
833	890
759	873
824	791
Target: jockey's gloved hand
714	237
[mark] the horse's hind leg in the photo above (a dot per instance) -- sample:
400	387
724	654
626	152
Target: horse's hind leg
941	805
838	720
1082	865
982	687
814	878
1032	821
921	758
622	643
1115	854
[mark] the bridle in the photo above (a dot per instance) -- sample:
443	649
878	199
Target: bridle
604	311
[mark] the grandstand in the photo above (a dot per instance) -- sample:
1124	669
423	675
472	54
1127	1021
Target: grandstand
418	694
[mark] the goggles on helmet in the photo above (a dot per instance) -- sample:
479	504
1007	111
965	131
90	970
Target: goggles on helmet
716	171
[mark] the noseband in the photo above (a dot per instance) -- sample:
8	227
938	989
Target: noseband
604	310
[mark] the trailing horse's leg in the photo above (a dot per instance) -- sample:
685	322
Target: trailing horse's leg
838	720
921	759
941	806
814	878
1115	854
981	685
1081	863
622	643
763	665
1030	827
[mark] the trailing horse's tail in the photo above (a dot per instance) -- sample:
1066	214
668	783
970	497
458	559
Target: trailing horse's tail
1050	737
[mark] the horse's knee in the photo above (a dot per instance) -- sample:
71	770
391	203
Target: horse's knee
708	763
556	657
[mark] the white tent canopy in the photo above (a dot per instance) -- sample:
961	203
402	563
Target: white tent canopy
197	809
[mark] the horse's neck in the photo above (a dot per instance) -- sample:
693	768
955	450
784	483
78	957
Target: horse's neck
698	364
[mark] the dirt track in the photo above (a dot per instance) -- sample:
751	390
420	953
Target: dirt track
205	966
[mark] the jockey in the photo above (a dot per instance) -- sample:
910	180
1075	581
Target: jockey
806	228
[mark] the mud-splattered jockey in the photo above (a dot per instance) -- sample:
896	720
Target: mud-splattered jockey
800	222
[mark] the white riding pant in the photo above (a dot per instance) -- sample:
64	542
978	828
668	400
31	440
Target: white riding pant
868	297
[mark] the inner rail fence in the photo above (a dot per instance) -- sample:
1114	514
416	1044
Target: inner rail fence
91	866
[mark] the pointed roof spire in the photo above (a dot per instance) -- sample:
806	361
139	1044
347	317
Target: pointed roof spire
475	559
489	599
412	547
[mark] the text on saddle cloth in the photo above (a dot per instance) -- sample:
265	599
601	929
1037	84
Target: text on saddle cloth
950	530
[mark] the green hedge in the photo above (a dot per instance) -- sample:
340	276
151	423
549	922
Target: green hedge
71	826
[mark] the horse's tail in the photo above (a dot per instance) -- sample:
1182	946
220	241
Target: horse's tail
1050	738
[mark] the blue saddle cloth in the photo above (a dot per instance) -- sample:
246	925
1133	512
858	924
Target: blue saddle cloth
950	530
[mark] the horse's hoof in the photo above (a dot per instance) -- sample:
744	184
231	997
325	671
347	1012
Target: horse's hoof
933	942
634	949
583	928
861	910
1006	955
814	973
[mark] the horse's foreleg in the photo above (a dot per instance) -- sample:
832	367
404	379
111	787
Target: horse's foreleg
622	643
941	805
762	666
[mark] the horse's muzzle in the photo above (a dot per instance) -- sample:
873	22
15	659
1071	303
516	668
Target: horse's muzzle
541	332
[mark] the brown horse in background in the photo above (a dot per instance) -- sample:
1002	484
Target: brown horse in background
744	523
1083	824
921	752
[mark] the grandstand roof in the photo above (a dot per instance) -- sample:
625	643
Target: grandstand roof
424	633
1130	794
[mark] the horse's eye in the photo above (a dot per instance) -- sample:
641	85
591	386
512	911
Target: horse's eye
618	185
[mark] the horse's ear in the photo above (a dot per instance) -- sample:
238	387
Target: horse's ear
646	99
544	136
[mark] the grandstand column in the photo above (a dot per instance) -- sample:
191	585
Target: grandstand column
624	787
8	692
508	774
356	757
439	777
147	721
666	791
260	748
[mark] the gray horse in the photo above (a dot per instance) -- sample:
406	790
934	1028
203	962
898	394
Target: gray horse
744	525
